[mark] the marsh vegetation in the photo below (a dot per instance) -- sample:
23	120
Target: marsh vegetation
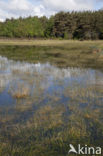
51	101
62	53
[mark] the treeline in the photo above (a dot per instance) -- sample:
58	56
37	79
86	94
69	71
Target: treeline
67	25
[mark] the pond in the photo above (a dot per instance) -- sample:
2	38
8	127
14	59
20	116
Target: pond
44	108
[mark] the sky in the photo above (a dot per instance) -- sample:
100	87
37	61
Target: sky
25	8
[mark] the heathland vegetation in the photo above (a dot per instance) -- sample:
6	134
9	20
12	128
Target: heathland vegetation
62	53
44	108
67	25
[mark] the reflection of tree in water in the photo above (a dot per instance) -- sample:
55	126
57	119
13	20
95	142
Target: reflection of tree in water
53	108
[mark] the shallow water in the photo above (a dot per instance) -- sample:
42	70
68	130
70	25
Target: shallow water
40	94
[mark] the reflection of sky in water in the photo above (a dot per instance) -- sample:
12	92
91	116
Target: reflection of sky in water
46	103
43	81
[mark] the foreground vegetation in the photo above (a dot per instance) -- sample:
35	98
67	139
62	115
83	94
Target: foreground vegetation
44	122
74	25
51	108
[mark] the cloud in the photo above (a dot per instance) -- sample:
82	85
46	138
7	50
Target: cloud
70	4
24	8
17	8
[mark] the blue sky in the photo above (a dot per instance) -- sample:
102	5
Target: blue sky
24	8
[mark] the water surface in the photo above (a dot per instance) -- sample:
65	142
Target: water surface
52	106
